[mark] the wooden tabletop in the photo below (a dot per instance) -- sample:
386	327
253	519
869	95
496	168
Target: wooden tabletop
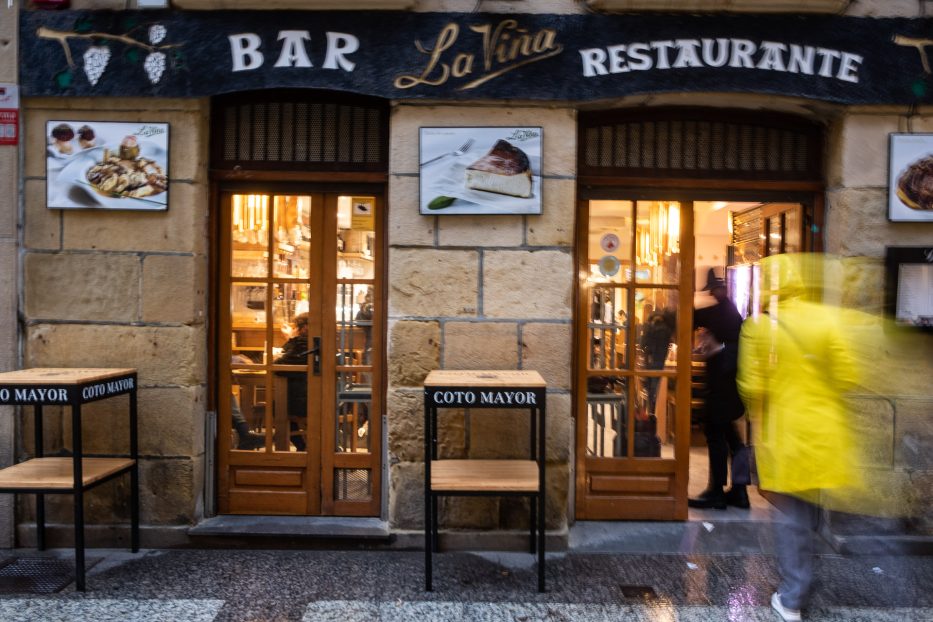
484	378
58	473
61	375
484	475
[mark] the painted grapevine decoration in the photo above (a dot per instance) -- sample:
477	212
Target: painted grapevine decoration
98	55
95	62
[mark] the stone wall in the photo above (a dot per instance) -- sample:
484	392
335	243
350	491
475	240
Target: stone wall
479	292
125	289
900	362
9	208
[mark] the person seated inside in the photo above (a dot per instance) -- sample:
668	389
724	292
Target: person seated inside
295	352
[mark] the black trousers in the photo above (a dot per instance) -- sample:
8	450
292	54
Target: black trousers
722	442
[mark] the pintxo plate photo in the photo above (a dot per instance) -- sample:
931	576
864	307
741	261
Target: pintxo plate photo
127	168
910	191
480	170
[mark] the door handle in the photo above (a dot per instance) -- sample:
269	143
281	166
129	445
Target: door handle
316	352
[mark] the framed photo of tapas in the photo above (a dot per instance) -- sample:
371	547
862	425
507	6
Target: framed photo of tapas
910	183
480	170
105	165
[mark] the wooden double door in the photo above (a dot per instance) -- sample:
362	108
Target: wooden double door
639	392
300	351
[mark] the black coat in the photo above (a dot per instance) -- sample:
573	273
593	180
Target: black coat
722	403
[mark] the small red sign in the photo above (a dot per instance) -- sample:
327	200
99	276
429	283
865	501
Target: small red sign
9	114
9	127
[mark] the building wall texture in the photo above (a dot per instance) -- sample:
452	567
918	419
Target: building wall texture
116	289
9	248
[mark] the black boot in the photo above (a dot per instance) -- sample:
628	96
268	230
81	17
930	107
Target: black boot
738	497
709	498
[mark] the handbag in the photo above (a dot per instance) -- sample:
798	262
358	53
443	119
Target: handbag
744	472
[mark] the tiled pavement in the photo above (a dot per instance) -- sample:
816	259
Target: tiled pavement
371	586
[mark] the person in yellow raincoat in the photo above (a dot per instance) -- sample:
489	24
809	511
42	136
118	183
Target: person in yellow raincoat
794	367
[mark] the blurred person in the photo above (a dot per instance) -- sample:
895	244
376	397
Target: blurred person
655	341
794	367
718	328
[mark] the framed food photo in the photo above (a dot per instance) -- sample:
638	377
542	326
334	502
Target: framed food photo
107	165
910	183
480	170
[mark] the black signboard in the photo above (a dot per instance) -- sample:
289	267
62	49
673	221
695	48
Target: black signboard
55	393
468	56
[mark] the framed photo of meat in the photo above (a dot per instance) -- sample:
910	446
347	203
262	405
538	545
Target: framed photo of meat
910	183
106	165
480	170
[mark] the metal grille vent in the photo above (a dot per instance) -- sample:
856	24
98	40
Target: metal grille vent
681	146
352	485
299	131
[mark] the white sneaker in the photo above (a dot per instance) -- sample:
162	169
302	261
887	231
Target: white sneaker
787	614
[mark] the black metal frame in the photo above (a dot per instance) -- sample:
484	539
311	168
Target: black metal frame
538	454
75	400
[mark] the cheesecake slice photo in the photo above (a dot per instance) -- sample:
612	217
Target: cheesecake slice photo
504	170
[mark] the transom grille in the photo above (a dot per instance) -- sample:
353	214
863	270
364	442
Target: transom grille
690	143
299	130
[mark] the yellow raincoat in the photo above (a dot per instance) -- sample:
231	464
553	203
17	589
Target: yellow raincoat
794	367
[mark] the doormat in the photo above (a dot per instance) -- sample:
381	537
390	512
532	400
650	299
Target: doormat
641	592
35	575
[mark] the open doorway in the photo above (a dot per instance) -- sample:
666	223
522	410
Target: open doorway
730	239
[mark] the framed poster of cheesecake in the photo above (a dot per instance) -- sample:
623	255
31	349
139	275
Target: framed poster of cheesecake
480	170
910	183
106	165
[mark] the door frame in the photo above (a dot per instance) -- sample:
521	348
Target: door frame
356	184
809	194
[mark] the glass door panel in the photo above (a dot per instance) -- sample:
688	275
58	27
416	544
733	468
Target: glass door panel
632	304
300	431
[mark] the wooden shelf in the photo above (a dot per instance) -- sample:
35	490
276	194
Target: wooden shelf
484	476
57	473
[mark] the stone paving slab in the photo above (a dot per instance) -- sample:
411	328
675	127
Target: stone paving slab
108	610
294	585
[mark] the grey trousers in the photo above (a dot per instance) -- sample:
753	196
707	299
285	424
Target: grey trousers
794	531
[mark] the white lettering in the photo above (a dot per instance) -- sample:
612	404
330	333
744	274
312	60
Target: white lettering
801	59
638	52
773	56
721	57
742	50
244	50
826	67
848	67
293	52
662	47
594	60
4	395
617	59
339	45
688	54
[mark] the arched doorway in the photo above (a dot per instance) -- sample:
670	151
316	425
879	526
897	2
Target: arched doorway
298	184
649	184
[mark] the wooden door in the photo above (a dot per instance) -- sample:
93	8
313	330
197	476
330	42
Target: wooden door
300	353
633	358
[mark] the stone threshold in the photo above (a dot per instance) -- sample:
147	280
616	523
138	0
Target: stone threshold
331	528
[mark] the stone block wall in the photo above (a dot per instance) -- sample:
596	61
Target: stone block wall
9	208
479	292
899	362
125	289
